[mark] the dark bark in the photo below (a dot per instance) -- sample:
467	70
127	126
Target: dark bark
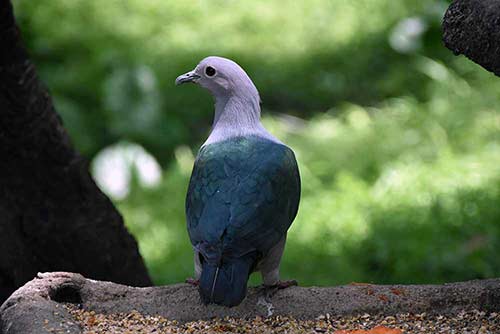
472	28
52	215
28	308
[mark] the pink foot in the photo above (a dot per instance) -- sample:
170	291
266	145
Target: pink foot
192	281
285	284
270	290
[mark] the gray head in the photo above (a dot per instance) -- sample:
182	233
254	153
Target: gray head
223	78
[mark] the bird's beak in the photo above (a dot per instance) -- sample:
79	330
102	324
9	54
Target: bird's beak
187	77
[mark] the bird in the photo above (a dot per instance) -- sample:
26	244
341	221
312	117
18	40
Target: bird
244	190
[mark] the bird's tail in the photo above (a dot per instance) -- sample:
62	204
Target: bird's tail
226	284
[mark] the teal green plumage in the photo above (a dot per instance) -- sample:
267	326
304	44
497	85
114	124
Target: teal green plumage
243	193
242	198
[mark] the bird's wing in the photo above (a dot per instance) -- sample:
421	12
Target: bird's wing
243	199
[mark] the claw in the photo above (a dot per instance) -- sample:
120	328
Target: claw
270	290
192	281
285	284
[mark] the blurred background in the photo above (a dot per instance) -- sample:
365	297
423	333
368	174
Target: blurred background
398	140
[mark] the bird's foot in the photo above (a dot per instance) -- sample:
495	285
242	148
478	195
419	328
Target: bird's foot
192	281
270	290
285	284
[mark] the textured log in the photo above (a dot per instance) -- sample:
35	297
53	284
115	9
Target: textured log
28	308
472	28
52	215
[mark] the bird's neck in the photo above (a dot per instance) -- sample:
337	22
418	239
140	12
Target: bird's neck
235	116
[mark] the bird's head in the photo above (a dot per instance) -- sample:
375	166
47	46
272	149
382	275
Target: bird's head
222	77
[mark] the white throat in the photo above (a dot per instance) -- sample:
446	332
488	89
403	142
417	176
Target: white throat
237	117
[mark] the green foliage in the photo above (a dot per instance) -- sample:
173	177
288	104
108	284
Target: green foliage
399	151
400	193
111	65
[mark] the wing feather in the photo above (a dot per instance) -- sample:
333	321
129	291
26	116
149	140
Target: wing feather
242	197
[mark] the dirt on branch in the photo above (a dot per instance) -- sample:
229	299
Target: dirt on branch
40	302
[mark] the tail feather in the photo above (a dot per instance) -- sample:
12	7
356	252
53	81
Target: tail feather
226	284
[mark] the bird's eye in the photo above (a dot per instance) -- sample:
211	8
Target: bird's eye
210	71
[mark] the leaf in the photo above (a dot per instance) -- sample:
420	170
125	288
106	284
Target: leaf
375	330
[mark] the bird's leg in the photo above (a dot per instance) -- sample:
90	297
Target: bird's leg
197	271
269	267
192	281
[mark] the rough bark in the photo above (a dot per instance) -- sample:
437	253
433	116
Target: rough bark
52	215
39	300
472	28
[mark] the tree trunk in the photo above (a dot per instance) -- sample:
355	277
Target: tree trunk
472	28
52	215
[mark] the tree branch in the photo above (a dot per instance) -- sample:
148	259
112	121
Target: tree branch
40	298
